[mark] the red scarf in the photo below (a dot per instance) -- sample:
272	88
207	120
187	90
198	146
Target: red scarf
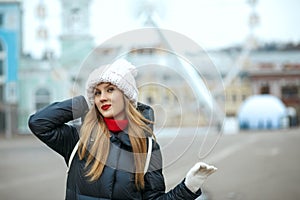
116	125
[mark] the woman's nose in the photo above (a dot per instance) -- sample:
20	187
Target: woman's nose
103	97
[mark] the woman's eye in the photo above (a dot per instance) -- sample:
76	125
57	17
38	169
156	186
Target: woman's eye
97	93
110	89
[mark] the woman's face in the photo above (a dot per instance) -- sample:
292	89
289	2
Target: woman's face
110	101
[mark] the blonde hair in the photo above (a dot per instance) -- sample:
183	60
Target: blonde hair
96	152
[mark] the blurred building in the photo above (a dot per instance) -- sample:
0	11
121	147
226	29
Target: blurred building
239	87
10	41
236	93
164	86
266	70
48	79
277	72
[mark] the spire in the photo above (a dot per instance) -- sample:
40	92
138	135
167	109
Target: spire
76	41
75	17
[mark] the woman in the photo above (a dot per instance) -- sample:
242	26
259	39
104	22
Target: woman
111	161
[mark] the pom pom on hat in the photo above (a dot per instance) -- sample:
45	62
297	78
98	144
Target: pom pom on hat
120	73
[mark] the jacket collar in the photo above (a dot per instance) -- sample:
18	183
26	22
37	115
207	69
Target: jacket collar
123	136
147	112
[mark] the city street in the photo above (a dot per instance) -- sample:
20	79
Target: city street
259	165
213	64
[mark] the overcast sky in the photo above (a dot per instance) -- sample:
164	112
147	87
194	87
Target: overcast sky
211	23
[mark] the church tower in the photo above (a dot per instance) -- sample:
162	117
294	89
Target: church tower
76	41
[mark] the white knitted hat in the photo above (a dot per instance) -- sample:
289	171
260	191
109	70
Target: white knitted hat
120	73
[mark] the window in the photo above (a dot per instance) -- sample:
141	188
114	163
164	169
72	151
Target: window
1	93
2	109
149	100
1	19
75	19
41	11
265	89
42	98
1	59
42	33
289	92
1	68
244	97
233	98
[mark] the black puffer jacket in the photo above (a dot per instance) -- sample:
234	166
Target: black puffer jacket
51	126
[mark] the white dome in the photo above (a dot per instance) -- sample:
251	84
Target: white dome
262	111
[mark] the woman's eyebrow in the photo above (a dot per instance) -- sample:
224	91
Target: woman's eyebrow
106	86
109	85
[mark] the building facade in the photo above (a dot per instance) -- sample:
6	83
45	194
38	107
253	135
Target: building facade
278	73
49	78
167	89
274	71
10	47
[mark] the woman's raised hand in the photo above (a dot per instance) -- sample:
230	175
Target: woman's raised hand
197	175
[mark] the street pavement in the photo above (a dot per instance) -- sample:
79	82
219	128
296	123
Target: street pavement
260	165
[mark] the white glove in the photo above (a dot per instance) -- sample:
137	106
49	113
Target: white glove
197	175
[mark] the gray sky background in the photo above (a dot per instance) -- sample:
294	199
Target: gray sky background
211	23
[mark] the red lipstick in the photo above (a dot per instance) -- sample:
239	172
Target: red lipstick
105	107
